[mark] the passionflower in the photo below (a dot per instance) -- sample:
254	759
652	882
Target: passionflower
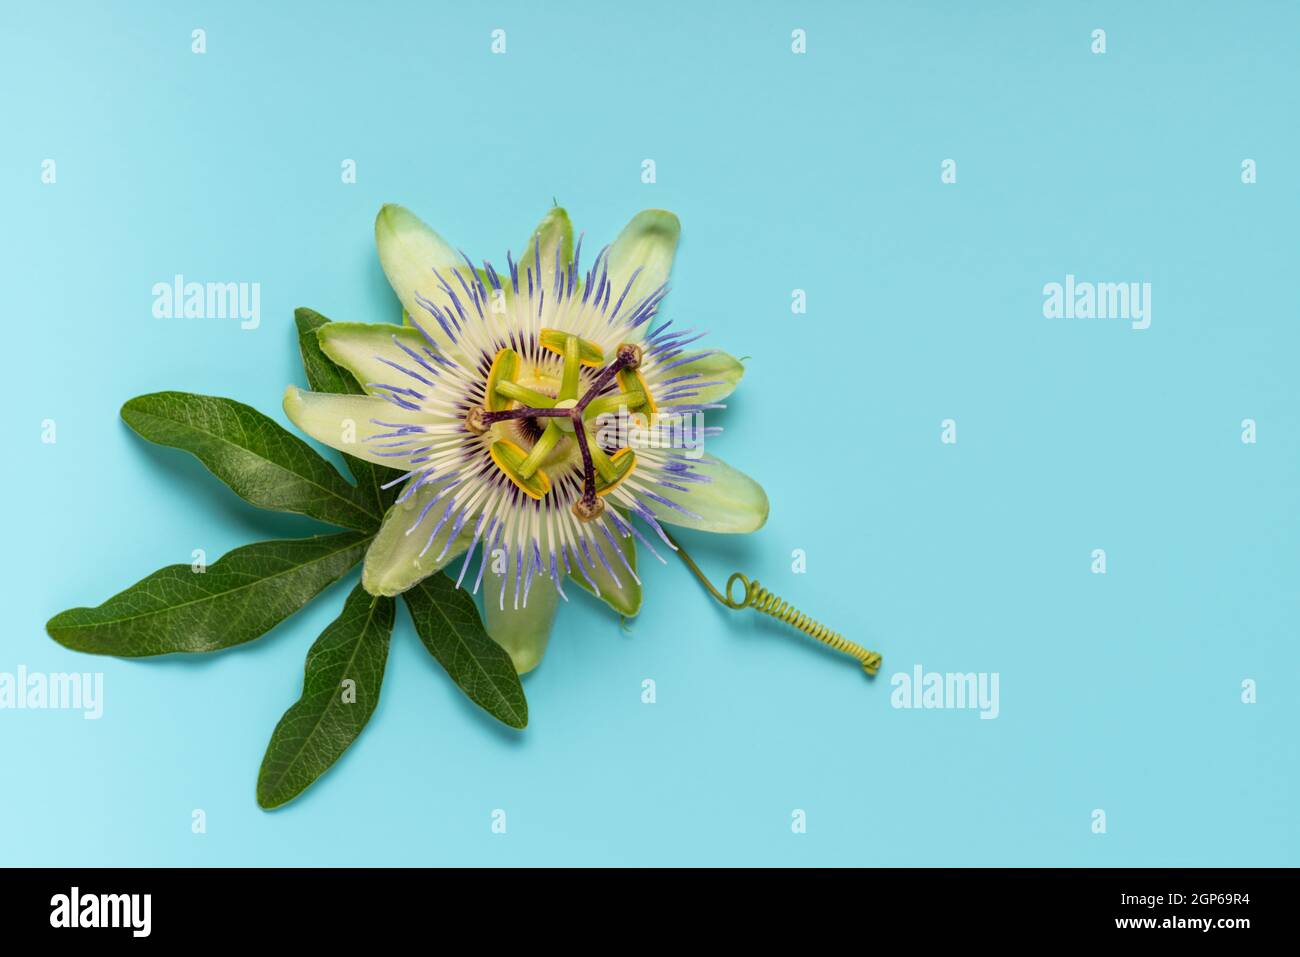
545	421
541	418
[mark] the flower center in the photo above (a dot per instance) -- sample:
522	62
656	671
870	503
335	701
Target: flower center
566	417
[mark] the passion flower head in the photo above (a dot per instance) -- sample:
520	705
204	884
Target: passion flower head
491	402
490	398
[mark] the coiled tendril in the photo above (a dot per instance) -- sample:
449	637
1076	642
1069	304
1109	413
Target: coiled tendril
760	599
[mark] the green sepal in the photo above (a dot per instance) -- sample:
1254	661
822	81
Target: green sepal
324	375
394	562
648	243
519	619
555	231
623	595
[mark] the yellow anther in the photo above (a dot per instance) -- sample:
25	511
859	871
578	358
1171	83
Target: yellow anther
630	381
623	461
504	369
604	466
509	458
589	354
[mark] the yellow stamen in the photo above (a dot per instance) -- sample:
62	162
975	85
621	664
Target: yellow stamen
589	354
509	458
630	382
623	462
604	467
504	368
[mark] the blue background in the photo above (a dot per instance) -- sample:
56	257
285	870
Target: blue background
819	172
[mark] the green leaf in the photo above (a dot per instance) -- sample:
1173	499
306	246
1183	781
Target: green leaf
262	462
324	375
320	726
236	599
448	624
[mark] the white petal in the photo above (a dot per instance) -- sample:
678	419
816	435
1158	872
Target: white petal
729	501
343	422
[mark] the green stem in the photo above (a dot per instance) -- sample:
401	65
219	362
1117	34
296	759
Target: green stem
760	599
